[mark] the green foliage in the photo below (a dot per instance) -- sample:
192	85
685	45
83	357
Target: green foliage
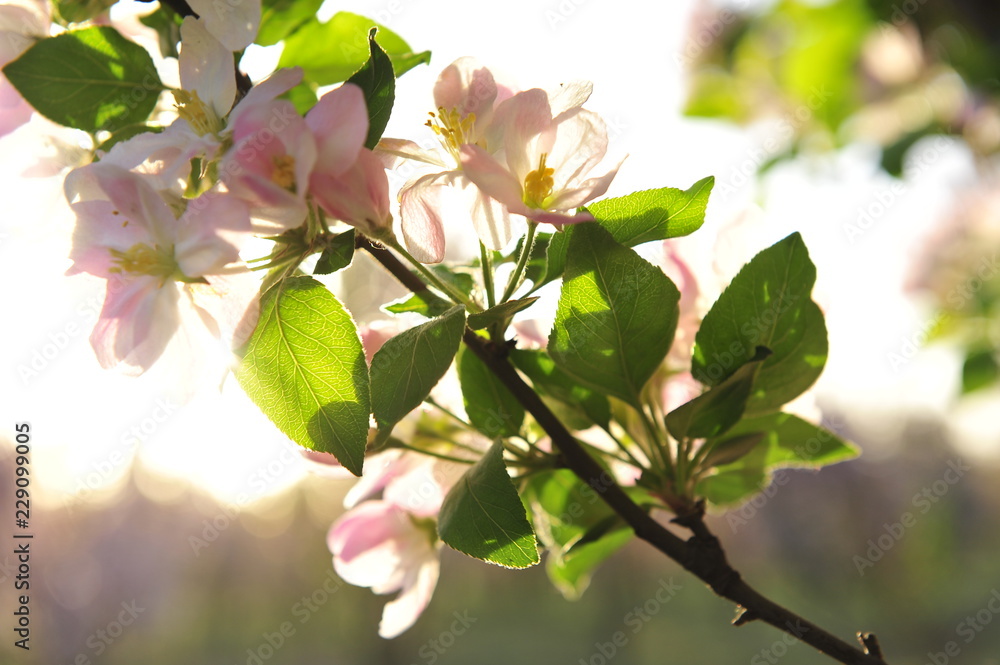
491	407
716	410
304	367
77	11
483	517
331	52
90	79
499	314
654	214
616	317
281	18
337	255
979	370
410	364
425	303
167	25
577	528
377	82
766	304
580	406
787	441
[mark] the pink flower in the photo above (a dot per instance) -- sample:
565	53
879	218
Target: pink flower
547	154
465	97
349	181
385	548
129	235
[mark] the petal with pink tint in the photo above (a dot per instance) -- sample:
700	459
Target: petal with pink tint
339	121
401	613
492	178
420	210
358	196
466	86
136	323
267	91
209	234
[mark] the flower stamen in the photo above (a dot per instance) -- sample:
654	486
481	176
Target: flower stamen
538	184
454	130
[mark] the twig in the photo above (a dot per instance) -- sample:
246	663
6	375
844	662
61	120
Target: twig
702	554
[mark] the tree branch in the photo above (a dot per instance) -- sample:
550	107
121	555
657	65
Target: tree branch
702	554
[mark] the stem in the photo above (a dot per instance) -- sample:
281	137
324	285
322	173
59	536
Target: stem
621	444
447	412
457	296
487	264
701	554
522	261
449	458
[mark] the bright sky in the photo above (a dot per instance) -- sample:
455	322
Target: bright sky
88	423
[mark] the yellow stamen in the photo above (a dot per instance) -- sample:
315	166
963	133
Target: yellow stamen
283	172
454	130
198	114
141	259
538	184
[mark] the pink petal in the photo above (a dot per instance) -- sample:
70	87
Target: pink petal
580	144
586	191
339	121
405	149
569	96
420	207
136	323
401	613
136	202
267	91
209	234
468	87
524	123
358	196
492	178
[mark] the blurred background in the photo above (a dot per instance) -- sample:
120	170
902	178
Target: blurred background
871	127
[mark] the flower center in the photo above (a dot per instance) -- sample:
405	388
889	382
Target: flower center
538	184
141	259
283	172
454	130
199	115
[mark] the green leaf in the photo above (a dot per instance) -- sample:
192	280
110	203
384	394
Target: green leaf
766	304
491	407
407	366
720	407
788	441
483	517
462	281
305	368
376	80
280	18
500	313
616	317
980	370
90	79
654	214
550	381
571	571
337	255
425	303
729	450
303	97
330	52
555	259
77	11
579	530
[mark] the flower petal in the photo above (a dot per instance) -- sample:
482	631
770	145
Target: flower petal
358	196
209	234
339	121
267	91
492	178
206	66
234	24
468	87
420	209
401	613
137	321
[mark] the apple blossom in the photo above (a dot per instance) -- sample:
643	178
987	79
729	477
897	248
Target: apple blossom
465	96
382	546
152	253
546	156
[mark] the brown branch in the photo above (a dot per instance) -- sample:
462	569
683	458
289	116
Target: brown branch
702	554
